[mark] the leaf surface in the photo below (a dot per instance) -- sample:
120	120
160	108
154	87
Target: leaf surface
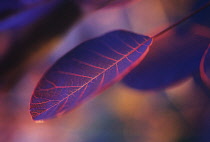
87	70
205	67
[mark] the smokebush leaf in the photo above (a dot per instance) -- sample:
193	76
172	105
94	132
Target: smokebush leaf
172	58
87	70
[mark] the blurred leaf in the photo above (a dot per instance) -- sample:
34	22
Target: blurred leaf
205	67
87	70
28	16
172	58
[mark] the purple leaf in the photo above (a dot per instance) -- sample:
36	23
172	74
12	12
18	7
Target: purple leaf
205	67
172	58
87	70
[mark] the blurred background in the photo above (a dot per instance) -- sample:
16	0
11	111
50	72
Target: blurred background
176	108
